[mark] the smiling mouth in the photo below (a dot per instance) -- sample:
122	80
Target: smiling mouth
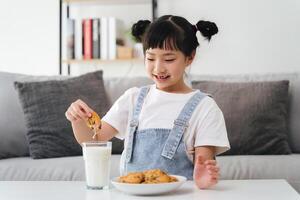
161	77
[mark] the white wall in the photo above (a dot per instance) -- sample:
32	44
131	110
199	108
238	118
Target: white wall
29	36
256	36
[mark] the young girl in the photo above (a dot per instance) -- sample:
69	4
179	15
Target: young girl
167	125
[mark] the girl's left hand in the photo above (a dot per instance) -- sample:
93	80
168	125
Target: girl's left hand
206	173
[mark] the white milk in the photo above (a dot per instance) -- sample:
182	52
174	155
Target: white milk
97	165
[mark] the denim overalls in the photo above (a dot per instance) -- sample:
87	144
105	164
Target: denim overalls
157	147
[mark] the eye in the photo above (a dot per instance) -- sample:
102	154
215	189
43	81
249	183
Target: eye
150	59
169	60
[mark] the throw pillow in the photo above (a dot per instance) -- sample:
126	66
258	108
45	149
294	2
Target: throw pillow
255	114
44	103
13	142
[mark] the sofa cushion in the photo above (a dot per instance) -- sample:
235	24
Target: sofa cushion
50	169
255	114
261	167
294	97
44	104
116	86
13	142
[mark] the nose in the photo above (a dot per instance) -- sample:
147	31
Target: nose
159	67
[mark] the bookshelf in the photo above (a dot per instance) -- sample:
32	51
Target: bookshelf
99	61
64	6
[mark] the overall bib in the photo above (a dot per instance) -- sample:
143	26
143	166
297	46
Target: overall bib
157	147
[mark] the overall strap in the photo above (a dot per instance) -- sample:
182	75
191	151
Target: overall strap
180	125
135	120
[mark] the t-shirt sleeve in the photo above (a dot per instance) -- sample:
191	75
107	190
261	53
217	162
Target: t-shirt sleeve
212	130
119	113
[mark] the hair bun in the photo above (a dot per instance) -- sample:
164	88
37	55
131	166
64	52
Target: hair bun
207	28
138	29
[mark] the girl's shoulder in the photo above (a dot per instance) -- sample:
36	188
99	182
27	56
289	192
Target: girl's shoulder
208	104
133	91
130	93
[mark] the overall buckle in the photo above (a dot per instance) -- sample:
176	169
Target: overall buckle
134	123
180	122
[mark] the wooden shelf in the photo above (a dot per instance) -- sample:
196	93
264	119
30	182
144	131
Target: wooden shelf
100	61
64	13
109	1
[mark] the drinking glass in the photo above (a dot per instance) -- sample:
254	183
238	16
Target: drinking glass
97	156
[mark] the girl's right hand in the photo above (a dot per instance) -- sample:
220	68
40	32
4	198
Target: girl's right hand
78	111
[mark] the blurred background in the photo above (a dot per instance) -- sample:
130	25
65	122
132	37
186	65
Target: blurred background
255	36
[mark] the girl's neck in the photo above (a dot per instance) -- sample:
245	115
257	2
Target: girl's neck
179	87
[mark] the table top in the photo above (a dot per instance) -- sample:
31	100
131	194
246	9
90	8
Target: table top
76	190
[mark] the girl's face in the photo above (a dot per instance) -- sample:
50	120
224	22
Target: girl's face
166	68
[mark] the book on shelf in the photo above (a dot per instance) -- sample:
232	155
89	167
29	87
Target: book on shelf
70	38
116	33
88	38
67	35
96	38
104	38
112	38
78	39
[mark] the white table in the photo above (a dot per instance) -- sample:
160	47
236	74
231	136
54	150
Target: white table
73	190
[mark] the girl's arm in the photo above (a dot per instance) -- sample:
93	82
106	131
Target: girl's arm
206	171
84	134
77	114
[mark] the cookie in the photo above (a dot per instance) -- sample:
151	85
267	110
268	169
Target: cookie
152	176
133	178
94	122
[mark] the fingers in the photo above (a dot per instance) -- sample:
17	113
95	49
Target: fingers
215	175
85	107
213	168
78	110
213	171
213	181
70	117
211	165
210	162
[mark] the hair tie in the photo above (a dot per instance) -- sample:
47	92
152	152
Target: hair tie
195	28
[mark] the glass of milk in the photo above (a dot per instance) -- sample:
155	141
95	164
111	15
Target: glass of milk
96	157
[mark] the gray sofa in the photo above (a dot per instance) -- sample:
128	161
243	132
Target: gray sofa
21	167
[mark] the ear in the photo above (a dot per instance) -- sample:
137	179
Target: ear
189	59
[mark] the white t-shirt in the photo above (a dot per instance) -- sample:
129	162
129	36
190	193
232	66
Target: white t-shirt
160	109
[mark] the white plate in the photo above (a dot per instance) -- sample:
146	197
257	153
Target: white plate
148	189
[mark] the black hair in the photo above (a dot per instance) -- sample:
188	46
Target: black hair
172	33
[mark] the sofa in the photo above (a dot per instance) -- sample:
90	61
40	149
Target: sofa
19	166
